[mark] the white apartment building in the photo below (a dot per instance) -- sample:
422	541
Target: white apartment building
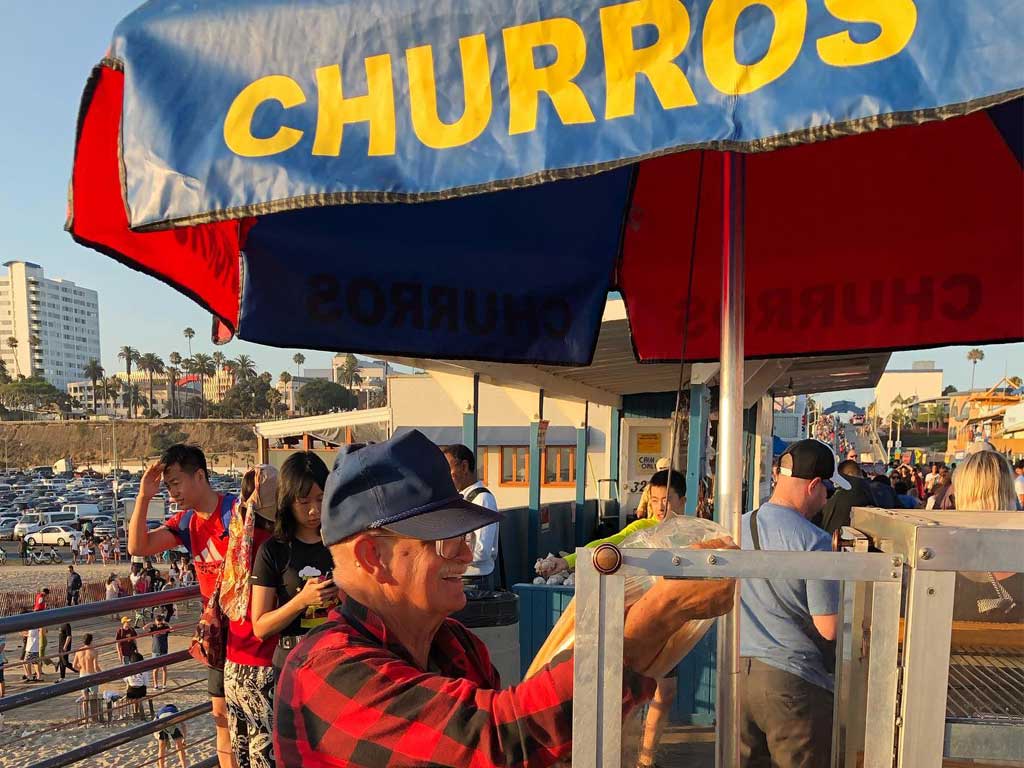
55	324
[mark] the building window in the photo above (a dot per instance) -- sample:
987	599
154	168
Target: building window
559	465
515	462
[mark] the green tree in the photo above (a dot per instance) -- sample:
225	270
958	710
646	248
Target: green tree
320	396
248	397
5	377
298	359
350	371
244	367
33	393
130	355
173	372
203	367
111	389
151	364
189	335
974	357
948	390
12	344
285	377
94	372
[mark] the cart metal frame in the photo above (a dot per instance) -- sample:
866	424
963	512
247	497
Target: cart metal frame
597	698
935	545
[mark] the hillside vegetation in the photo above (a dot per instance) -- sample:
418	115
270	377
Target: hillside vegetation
32	443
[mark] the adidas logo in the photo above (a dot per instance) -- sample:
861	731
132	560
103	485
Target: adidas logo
210	554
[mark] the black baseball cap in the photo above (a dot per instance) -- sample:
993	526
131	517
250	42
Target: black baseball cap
809	459
403	484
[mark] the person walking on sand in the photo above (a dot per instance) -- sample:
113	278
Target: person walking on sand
74	586
64	663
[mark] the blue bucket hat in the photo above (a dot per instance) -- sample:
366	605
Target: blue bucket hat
403	484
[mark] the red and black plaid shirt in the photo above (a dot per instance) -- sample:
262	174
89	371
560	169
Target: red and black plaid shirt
351	696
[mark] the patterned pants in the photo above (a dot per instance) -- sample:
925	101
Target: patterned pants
249	692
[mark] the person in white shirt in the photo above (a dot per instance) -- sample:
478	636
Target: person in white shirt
1018	481
481	573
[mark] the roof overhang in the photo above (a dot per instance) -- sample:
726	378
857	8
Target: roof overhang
322	423
615	372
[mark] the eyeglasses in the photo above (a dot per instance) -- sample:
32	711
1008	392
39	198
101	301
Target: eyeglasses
447	549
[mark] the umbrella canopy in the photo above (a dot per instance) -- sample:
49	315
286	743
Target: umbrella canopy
468	180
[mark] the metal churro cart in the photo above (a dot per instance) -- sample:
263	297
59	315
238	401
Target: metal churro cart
901	698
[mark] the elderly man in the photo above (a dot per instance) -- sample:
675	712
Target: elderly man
390	680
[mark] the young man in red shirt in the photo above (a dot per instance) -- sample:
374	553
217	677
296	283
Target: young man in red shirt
201	527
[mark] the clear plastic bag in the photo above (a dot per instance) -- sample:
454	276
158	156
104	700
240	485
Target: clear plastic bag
675	533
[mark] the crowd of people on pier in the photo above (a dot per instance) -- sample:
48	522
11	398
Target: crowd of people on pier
335	588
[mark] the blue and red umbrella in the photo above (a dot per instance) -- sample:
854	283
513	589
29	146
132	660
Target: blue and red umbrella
469	180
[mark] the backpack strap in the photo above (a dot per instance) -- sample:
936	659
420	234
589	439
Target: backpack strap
182	529
477	491
227	507
500	564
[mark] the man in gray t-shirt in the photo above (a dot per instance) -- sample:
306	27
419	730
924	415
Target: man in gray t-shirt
786	687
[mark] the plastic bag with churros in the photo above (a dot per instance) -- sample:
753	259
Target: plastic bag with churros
676	532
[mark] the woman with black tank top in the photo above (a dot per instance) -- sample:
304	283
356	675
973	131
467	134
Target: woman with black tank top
292	585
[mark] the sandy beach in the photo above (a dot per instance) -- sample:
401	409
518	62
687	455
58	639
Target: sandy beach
34	733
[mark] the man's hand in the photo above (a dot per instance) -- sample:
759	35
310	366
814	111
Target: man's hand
150	485
668	605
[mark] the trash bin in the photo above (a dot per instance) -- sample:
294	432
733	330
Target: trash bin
494	618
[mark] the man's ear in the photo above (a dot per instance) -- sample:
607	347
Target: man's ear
367	553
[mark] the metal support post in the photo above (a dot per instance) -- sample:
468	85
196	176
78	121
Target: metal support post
597	666
929	629
533	533
581	476
471	419
730	439
883	675
614	440
696	449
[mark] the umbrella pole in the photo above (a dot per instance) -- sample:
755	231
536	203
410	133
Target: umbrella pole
730	445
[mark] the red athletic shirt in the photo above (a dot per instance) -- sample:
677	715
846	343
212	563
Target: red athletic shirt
243	646
206	541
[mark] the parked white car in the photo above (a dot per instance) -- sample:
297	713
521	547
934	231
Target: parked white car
61	535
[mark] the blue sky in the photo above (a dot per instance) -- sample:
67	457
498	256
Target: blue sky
47	48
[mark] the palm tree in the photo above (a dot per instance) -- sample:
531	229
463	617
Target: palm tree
974	357
151	363
12	344
189	335
203	367
218	359
129	355
173	372
111	388
245	367
285	377
134	397
350	371
298	359
93	371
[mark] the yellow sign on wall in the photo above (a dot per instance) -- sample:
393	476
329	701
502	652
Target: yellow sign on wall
648	442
